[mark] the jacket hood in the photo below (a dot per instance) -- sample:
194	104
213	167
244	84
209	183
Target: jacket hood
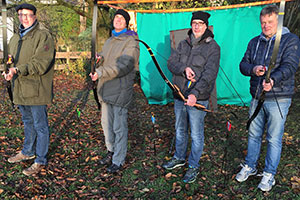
262	38
285	30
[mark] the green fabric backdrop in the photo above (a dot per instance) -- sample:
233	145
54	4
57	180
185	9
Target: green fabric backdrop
233	29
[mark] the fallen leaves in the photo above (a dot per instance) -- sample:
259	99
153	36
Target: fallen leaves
71	179
77	144
295	181
145	190
176	187
287	138
169	175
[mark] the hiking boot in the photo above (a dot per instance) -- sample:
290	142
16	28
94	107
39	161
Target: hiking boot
107	158
173	163
114	168
19	157
266	182
191	175
33	169
245	172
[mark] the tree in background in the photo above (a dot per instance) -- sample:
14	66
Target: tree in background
85	9
64	25
62	17
292	17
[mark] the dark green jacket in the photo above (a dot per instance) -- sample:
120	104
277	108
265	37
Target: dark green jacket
33	84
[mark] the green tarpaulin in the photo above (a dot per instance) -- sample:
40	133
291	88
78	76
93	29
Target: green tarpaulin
233	29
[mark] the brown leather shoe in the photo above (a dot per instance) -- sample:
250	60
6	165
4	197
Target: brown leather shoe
19	157
33	169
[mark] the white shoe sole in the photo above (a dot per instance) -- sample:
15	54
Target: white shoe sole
266	189
175	166
242	180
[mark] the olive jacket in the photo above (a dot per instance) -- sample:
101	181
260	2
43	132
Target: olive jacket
33	83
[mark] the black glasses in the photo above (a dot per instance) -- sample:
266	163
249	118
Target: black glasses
198	23
21	15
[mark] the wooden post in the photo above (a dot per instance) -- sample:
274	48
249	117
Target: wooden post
68	56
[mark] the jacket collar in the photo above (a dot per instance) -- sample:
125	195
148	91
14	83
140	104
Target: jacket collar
23	31
206	37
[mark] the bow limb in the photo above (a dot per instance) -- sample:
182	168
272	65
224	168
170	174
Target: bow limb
272	63
93	51
4	32
5	49
173	87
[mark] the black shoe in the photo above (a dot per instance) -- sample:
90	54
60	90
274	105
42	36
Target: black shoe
107	158
173	163
191	175
114	168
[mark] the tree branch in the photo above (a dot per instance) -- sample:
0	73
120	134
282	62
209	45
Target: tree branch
78	10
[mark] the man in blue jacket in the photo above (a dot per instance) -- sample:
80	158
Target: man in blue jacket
278	94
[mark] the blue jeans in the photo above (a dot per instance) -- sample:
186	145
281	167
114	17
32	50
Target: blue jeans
269	117
36	130
185	116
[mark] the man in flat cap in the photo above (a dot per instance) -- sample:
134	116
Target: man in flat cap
115	75
194	66
31	70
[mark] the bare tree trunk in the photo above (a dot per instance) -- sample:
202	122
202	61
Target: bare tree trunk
292	17
83	18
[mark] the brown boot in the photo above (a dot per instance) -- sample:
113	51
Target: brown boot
33	169
19	157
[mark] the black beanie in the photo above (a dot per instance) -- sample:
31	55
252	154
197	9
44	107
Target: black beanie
202	16
26	6
124	14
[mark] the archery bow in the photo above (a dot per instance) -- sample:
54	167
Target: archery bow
93	51
5	49
172	86
272	62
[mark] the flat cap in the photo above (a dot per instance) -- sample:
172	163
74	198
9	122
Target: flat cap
26	6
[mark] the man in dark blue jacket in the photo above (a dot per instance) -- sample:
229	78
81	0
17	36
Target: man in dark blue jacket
280	90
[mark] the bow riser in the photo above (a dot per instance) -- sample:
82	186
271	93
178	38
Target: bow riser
4	33
277	41
5	50
93	50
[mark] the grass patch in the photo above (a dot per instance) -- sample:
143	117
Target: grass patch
77	144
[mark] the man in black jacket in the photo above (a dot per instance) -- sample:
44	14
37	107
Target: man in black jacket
194	67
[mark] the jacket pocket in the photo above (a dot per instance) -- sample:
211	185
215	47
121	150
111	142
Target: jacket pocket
30	88
183	58
198	61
